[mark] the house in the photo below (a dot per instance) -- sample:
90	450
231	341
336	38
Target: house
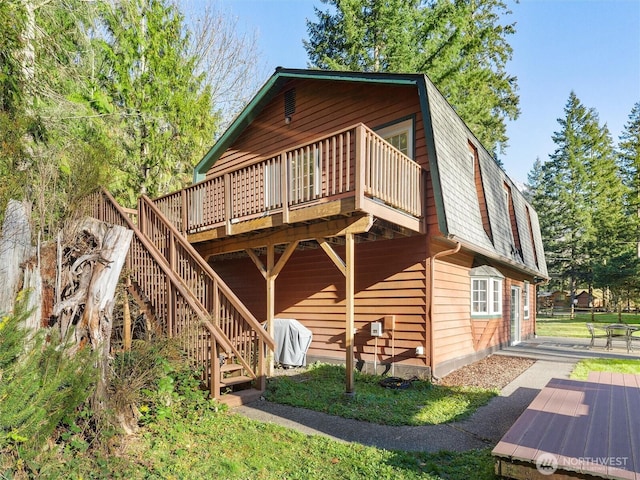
361	205
556	298
584	299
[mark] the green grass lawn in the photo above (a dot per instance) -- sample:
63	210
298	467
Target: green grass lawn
196	439
583	367
204	443
563	326
321	388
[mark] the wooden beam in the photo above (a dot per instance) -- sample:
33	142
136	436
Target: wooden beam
282	261
394	216
333	255
274	219
213	233
331	228
257	261
323	209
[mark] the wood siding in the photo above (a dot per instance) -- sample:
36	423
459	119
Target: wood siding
452	326
323	107
456	332
392	276
390	280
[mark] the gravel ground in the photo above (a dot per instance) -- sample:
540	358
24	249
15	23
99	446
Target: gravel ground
495	371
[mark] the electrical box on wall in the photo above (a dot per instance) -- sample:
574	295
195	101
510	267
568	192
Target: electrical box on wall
376	329
389	322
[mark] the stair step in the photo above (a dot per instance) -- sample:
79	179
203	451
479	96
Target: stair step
229	381
242	397
230	367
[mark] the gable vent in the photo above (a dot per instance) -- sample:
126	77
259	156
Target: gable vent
289	102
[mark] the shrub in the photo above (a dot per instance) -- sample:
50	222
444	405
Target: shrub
41	385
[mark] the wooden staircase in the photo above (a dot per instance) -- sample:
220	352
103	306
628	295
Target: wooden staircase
191	303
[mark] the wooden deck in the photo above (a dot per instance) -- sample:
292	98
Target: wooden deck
351	171
590	429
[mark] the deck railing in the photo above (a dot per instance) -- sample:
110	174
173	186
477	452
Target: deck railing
181	313
246	335
351	162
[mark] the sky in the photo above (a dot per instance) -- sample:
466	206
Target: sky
591	47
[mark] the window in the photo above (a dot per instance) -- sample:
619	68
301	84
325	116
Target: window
305	174
400	135
496	291
525	300
486	291
479	296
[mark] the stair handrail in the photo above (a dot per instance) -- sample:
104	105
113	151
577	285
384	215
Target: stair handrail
177	283
209	271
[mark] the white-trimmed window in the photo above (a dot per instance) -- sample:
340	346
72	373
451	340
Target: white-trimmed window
400	135
525	300
486	291
304	184
479	291
496	295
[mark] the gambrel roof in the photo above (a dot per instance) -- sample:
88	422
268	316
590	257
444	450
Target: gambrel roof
454	182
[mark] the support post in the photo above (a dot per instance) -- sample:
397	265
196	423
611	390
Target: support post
270	274
350	312
271	296
126	313
361	164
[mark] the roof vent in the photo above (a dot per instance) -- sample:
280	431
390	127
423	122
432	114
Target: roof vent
289	103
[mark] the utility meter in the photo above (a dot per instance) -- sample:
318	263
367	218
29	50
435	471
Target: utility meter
376	329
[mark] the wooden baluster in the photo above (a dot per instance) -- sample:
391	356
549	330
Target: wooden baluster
284	187
185	213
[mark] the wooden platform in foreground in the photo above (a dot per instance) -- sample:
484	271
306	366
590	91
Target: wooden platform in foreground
576	429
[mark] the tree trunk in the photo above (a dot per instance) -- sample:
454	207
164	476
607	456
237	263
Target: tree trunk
89	279
15	249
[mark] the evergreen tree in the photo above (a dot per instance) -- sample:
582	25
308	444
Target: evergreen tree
11	26
629	157
52	148
460	45
608	213
624	269
164	107
13	125
578	195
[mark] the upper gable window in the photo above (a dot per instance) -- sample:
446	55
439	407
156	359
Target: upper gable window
400	135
